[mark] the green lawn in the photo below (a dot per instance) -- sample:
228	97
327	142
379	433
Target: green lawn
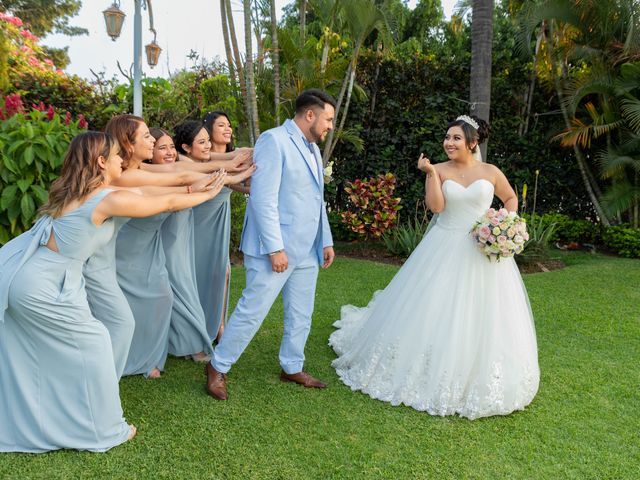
583	423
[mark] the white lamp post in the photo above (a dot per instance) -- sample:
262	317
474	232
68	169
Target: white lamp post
114	18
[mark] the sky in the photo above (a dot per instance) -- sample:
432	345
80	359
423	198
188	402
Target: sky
182	26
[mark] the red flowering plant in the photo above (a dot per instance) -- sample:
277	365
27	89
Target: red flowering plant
372	208
32	145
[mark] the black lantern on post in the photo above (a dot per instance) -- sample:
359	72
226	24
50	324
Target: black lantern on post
114	18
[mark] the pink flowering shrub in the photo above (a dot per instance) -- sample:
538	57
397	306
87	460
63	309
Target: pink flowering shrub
32	75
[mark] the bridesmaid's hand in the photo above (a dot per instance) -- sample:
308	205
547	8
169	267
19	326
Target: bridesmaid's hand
217	182
240	177
202	184
240	162
425	165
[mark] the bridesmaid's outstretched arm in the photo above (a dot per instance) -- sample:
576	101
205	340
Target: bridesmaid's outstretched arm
125	203
231	162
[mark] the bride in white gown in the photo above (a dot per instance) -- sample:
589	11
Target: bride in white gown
453	332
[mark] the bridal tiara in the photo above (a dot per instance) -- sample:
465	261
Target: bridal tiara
469	120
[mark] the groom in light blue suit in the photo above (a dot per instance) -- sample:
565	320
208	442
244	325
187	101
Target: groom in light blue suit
286	236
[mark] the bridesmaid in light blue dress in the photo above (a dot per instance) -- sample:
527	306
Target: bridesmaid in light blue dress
187	331
213	232
140	258
106	300
58	384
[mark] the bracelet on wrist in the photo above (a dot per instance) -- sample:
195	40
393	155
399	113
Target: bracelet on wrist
277	251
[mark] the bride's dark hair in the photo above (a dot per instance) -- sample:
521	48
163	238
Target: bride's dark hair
472	134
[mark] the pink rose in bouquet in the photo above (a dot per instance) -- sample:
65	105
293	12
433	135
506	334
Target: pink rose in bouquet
500	233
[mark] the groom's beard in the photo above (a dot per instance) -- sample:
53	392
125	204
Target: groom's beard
317	135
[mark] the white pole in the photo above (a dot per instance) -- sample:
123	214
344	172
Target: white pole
137	60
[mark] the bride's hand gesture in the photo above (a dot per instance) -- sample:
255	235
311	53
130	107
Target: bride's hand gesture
425	165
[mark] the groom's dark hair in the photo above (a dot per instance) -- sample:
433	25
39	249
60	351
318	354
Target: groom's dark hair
313	97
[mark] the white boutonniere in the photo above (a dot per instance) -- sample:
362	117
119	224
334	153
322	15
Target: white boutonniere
327	172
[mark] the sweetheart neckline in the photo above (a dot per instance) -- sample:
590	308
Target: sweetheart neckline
466	187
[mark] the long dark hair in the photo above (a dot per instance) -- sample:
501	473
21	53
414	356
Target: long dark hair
81	174
186	133
209	120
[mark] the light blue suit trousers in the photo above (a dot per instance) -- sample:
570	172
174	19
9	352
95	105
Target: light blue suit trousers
297	284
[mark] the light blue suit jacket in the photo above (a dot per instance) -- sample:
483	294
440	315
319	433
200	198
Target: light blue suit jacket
286	208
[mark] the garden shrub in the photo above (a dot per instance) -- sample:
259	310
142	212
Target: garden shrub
622	240
32	147
339	230
33	75
372	209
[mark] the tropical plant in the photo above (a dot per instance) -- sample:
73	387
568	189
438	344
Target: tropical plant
403	239
373	209
360	18
32	146
585	44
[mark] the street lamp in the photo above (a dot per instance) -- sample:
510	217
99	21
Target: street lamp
114	18
153	52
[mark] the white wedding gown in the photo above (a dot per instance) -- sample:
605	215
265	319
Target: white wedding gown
453	332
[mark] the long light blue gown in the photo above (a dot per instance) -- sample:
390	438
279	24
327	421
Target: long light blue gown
58	384
143	277
187	333
106	300
212	230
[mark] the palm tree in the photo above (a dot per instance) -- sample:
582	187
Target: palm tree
360	19
236	50
251	103
275	60
227	44
481	43
586	42
303	20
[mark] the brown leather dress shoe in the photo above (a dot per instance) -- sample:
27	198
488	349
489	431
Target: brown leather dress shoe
302	378
216	383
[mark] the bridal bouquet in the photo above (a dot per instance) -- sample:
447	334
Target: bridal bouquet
500	233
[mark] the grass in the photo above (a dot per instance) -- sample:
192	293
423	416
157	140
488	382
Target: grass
583	424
